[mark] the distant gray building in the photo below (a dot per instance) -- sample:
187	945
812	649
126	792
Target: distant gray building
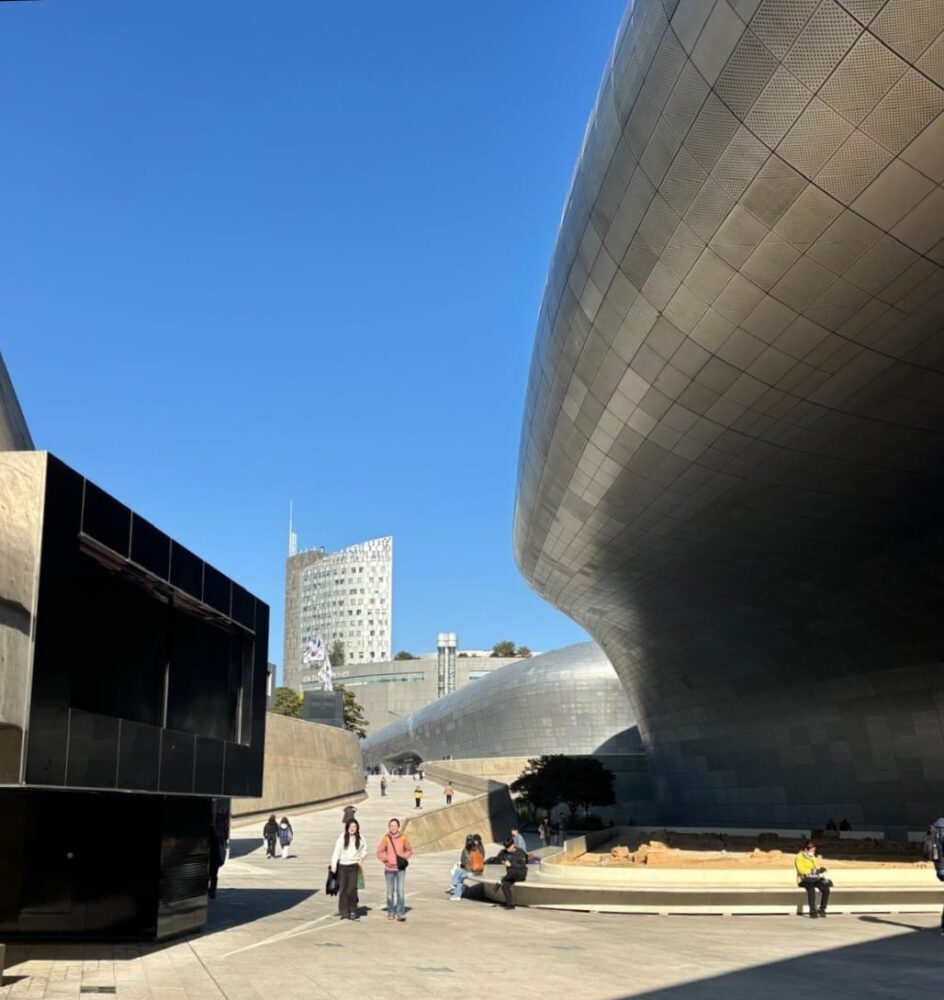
566	701
344	596
391	690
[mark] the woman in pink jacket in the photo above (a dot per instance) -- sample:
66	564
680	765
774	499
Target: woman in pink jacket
394	851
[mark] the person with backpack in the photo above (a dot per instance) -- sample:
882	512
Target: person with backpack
285	835
516	869
269	834
395	851
471	862
934	852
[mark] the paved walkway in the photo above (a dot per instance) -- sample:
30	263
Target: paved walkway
274	935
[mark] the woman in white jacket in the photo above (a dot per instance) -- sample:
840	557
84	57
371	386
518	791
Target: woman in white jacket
349	851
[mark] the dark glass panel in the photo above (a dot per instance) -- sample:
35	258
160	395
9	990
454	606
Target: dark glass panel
139	756
93	750
150	547
186	571
208	775
216	589
119	645
176	762
244	607
105	519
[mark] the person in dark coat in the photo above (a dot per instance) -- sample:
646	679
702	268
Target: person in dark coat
516	869
216	859
348	815
270	831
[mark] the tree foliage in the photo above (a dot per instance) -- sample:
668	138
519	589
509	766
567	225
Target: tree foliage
503	648
577	782
404	655
286	701
336	653
522	651
354	720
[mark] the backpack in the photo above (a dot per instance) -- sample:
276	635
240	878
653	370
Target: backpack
476	861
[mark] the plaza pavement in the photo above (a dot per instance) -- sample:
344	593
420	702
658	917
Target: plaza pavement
272	934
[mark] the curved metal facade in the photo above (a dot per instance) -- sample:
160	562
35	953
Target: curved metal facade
732	447
568	701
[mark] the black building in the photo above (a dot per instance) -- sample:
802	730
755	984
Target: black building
132	697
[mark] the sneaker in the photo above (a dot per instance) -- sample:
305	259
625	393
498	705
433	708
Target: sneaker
354	917
391	916
401	918
455	899
822	913
813	914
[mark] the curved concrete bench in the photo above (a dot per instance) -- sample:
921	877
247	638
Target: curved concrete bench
665	891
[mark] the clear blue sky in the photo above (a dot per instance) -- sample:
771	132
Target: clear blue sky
253	251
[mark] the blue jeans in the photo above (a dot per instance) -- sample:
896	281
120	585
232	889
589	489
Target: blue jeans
396	880
458	880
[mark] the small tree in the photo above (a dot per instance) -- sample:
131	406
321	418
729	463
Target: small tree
522	651
354	720
575	781
336	653
404	655
503	648
286	701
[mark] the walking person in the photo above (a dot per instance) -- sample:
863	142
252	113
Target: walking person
544	832
285	836
518	838
383	786
810	876
350	849
450	791
269	833
395	851
418	797
516	869
934	852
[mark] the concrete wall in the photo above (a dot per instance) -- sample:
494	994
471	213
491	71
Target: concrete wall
490	814
305	764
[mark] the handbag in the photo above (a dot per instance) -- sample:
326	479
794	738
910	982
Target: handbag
401	861
331	884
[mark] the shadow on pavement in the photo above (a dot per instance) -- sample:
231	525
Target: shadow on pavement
240	906
239	847
894	968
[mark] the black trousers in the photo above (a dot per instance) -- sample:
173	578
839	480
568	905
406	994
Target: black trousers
811	885
347	890
508	887
270	847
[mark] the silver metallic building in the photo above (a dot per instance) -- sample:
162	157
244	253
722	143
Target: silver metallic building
731	457
567	701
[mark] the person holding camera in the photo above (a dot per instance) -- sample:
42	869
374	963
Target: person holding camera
395	851
516	869
811	875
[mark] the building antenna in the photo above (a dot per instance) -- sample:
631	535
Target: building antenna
292	537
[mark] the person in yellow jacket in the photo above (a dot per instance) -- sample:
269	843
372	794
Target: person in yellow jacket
811	876
418	797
